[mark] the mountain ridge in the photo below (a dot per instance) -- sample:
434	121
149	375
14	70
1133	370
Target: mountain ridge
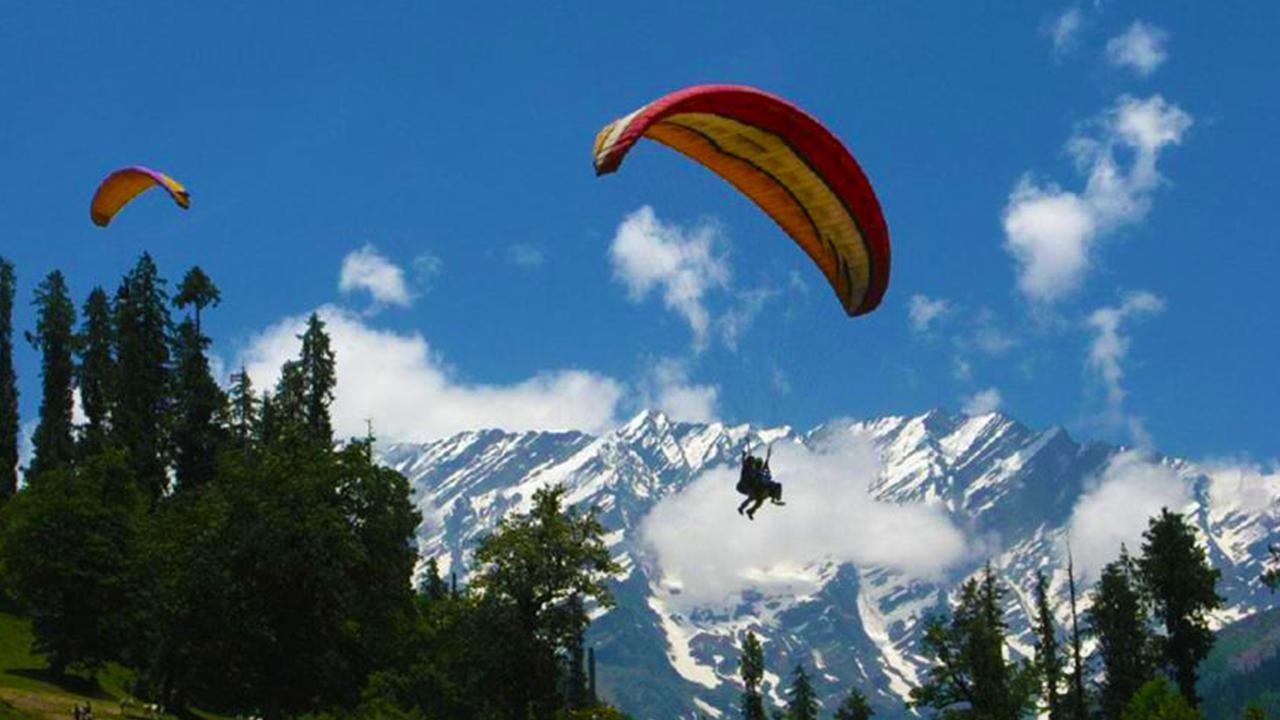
1011	491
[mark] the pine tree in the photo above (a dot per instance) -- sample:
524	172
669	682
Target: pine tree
319	377
198	291
1048	659
1183	588
803	703
53	443
96	374
142	355
199	405
8	387
1077	700
970	677
854	707
432	586
244	408
1118	619
752	671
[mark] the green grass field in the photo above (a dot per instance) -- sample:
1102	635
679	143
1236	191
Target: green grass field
28	690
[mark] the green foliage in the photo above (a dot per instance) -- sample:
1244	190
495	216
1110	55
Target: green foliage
1271	575
244	416
1158	700
198	291
53	446
1048	660
8	387
1183	589
1118	619
143	394
1255	712
318	377
543	567
854	707
803	703
199	406
69	541
752	671
96	373
970	677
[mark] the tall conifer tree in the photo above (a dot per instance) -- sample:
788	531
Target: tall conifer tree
8	387
319	379
1077	700
96	374
1183	589
1048	659
142	353
244	408
200	404
752	671
1118	619
198	291
53	442
803	702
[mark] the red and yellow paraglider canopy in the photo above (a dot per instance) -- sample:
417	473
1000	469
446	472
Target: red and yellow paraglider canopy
123	185
787	162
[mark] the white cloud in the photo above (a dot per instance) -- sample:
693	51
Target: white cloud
1051	232
922	311
1140	48
667	388
735	322
685	263
1243	486
1116	508
367	270
712	554
982	402
1063	30
410	394
525	255
1109	349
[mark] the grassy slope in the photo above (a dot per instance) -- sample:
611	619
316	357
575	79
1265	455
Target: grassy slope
27	691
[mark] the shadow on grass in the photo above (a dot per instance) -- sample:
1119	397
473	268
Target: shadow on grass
77	684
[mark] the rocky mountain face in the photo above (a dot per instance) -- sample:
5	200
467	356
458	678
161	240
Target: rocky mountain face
1010	489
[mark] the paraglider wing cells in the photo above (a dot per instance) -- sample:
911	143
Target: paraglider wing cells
122	186
786	162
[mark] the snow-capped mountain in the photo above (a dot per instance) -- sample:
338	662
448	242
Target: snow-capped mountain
1010	489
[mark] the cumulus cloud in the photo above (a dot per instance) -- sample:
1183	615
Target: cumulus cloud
1117	505
366	270
410	394
525	255
712	554
922	311
683	263
1062	31
982	402
1109	349
426	267
667	388
1140	49
1051	232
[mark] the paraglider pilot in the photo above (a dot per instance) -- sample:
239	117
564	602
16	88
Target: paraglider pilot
756	482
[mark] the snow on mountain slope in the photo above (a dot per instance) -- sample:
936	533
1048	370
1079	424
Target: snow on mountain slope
1011	489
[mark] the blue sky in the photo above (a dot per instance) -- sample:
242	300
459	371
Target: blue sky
453	143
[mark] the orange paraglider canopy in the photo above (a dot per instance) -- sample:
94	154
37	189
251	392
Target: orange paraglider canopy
124	185
786	162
